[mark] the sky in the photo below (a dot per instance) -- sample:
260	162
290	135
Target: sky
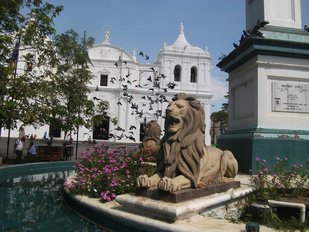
147	24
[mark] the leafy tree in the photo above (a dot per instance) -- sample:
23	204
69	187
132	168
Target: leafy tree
42	92
69	104
221	116
25	24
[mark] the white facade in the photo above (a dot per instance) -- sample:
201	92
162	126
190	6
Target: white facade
117	72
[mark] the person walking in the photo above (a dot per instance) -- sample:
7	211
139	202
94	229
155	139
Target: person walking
19	145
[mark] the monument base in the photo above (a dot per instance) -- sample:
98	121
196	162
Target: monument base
248	145
172	212
185	194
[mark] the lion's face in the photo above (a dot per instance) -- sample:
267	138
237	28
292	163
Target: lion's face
175	112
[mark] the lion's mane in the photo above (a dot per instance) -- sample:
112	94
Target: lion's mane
181	152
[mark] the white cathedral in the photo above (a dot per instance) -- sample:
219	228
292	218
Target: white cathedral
138	93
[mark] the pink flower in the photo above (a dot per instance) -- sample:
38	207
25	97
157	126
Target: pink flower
107	171
123	165
113	184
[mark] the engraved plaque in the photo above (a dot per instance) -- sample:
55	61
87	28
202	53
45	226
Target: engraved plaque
290	96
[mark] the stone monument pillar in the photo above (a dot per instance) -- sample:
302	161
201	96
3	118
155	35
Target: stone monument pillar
269	86
281	13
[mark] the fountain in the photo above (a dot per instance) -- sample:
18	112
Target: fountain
31	199
192	181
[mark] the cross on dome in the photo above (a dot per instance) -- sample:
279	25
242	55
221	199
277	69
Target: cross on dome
106	37
181	40
182	28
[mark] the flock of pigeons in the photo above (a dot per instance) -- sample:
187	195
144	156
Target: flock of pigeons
254	32
156	95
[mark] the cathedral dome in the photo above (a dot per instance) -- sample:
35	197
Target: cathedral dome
183	47
108	51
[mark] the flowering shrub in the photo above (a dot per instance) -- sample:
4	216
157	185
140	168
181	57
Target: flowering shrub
281	179
107	172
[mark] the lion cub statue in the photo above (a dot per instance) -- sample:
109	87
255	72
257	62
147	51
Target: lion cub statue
151	141
183	160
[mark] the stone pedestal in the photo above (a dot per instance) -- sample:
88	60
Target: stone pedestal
277	12
185	194
172	212
268	97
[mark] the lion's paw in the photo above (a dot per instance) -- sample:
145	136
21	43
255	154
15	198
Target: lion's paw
144	181
169	185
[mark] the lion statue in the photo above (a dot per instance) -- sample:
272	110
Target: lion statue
183	160
151	140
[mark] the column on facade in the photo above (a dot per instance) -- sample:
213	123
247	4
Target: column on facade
121	115
207	122
207	76
201	76
185	81
168	72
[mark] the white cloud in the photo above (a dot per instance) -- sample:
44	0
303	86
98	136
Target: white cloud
219	88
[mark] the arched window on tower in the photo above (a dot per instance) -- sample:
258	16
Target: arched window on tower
177	73
193	76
